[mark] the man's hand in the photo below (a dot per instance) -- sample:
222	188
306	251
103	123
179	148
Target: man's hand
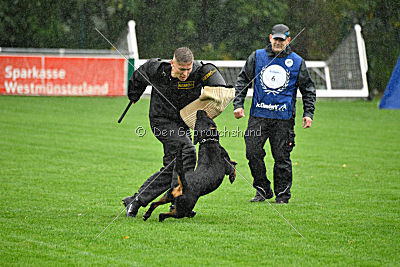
238	113
307	121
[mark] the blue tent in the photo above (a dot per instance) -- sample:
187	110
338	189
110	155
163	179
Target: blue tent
391	97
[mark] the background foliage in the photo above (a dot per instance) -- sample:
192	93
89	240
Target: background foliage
224	29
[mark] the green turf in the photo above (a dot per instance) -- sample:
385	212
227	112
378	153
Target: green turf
65	164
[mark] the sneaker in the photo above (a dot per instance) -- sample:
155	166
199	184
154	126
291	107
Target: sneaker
281	201
260	197
132	206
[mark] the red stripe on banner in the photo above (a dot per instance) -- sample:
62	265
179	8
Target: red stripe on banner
62	76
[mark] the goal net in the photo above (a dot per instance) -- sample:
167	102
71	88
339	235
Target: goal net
342	75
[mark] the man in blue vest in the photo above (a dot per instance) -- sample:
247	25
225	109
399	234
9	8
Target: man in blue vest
277	73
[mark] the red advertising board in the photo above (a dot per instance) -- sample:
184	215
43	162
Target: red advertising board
62	76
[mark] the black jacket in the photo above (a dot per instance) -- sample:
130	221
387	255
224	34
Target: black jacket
169	95
304	83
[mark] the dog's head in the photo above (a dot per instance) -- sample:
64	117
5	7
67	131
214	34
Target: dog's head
205	128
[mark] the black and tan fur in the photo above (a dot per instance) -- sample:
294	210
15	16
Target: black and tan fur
212	166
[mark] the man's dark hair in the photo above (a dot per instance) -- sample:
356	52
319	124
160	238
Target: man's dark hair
183	55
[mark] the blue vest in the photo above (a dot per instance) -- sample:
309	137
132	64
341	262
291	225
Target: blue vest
274	85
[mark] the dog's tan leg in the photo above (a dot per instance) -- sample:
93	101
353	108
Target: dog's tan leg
154	205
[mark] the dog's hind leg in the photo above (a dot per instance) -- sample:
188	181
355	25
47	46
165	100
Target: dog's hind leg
167	198
153	206
164	200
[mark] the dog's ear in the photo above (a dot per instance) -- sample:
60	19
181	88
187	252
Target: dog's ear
213	124
197	128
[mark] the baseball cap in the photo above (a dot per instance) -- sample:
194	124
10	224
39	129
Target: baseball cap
280	31
213	101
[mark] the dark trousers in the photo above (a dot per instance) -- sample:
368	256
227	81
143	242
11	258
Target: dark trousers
281	138
172	135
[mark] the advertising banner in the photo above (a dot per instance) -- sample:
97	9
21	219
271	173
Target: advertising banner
62	76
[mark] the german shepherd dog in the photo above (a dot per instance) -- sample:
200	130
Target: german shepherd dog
212	166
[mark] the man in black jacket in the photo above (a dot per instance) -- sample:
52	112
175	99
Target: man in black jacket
277	73
175	84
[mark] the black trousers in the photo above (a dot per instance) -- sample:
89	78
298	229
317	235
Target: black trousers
280	134
172	135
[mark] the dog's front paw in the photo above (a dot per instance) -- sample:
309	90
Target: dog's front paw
192	214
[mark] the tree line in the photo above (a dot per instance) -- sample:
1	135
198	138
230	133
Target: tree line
213	29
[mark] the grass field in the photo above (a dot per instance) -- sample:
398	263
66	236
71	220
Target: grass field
66	164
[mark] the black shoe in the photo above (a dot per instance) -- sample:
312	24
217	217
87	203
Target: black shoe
281	201
257	198
260	196
132	206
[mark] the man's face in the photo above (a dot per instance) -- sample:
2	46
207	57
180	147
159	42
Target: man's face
181	70
278	44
